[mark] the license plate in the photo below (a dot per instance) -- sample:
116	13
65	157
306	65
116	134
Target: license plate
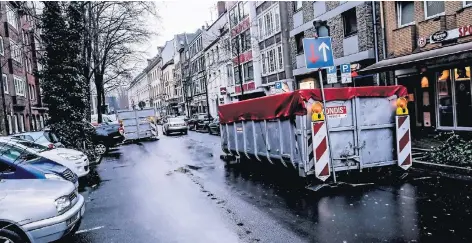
73	218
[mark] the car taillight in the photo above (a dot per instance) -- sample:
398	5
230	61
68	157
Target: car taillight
121	130
50	146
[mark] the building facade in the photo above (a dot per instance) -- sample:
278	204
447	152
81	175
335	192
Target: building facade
428	49
354	28
138	91
22	106
218	63
198	102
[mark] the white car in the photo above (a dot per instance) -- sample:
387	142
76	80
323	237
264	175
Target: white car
72	159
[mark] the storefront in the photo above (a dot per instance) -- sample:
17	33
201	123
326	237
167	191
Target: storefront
439	87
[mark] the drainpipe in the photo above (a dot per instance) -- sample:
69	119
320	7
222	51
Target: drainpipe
283	6
374	21
384	48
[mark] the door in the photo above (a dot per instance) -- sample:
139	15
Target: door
463	97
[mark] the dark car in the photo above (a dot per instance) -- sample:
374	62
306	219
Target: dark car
214	127
192	122
203	121
107	135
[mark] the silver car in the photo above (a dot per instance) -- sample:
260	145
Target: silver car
33	210
175	125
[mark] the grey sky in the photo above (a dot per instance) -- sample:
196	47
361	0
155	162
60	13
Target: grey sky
179	16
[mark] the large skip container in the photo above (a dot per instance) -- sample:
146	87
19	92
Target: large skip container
138	124
364	130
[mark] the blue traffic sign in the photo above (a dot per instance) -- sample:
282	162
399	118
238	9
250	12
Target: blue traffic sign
278	85
332	70
345	68
318	52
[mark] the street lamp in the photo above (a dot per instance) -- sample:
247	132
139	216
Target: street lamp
322	28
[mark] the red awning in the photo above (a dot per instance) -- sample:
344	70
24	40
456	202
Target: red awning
293	103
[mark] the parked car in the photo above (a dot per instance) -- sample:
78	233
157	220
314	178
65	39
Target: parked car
202	123
72	159
184	117
46	138
193	123
174	125
38	210
20	164
214	127
107	135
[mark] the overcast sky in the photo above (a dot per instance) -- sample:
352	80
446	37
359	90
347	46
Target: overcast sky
179	16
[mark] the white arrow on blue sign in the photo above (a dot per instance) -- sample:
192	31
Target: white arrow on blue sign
318	52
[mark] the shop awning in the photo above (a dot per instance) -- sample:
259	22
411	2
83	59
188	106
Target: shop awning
417	58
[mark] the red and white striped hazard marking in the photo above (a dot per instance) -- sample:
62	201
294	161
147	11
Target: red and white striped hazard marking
403	142
320	150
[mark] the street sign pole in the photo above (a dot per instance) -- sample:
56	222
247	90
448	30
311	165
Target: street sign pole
327	124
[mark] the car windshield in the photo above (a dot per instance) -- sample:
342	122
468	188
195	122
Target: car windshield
34	146
13	153
51	137
176	120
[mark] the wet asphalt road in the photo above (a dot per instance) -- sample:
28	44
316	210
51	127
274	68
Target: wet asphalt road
178	190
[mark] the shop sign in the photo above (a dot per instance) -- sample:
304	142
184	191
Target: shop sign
443	35
439	36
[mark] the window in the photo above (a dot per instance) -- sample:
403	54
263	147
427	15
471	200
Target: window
433	8
280	57
31	92
2	52
299	41
272	65
467	3
10	131
217	52
297	5
248	71
5	83
264	65
22	123
245	38
15	123
19	86
269	23
350	22
405	13
237	78
12	16
15	50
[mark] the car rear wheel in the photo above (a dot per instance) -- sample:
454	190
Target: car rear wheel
8	236
101	149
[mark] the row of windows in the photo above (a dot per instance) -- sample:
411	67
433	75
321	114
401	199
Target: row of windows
272	60
20	86
19	125
241	43
406	10
269	23
196	46
238	13
247	73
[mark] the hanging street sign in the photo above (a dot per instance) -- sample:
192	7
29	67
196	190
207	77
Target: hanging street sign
346	76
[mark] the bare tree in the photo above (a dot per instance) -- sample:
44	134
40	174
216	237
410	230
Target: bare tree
115	29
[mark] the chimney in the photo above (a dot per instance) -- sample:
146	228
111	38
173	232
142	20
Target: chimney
221	7
203	27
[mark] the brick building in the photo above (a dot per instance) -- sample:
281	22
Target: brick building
355	30
22	108
428	49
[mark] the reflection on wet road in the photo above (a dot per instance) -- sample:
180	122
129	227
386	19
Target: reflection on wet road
178	190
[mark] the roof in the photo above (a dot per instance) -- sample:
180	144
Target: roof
409	60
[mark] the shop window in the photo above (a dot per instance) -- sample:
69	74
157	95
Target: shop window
433	9
405	13
299	41
350	22
463	97
445	109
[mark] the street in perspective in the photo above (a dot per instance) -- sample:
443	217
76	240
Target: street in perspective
242	121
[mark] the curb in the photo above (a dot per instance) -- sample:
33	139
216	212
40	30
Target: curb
449	171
